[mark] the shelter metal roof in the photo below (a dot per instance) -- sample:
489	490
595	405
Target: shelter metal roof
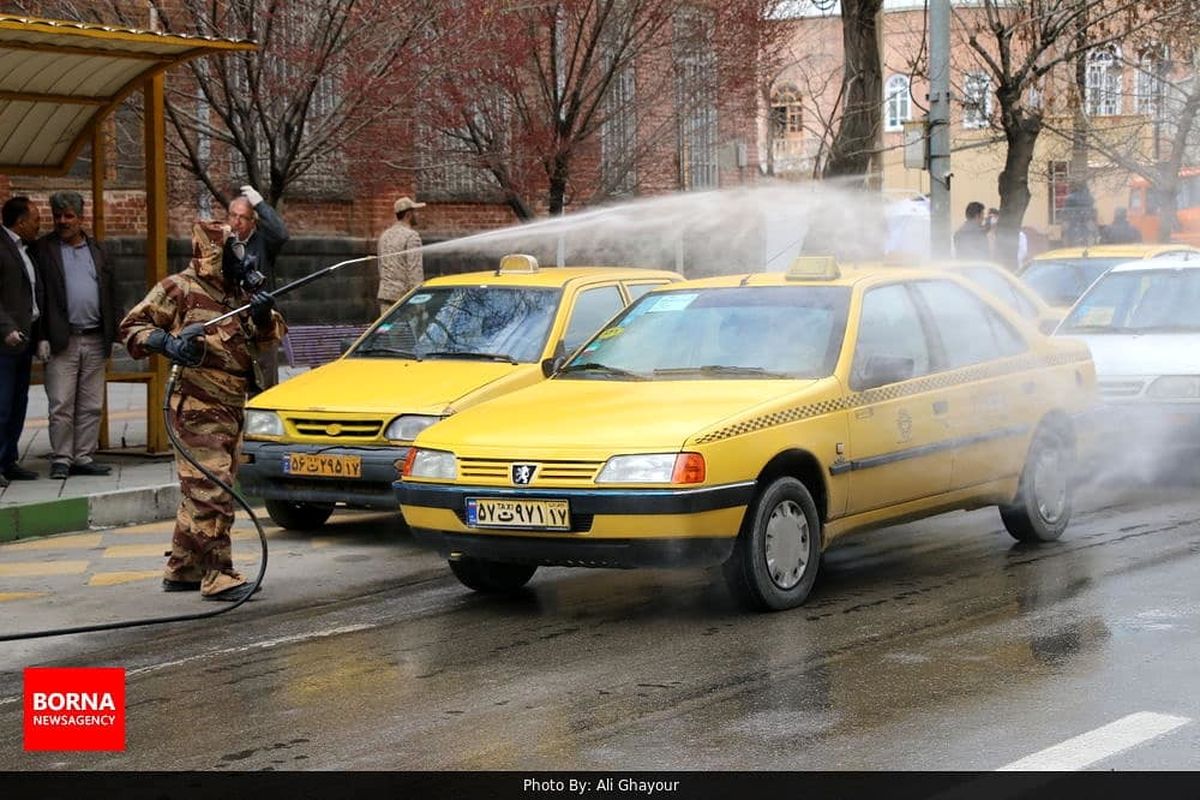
58	79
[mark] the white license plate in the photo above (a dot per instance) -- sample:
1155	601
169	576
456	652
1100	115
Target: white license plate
487	512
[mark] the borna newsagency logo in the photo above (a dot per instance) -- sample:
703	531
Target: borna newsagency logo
74	709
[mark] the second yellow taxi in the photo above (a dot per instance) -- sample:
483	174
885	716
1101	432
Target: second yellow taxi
750	421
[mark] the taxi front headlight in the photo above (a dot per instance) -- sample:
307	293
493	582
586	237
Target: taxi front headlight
654	468
405	427
263	423
434	464
1179	387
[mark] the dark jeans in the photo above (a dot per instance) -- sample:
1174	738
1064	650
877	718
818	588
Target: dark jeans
14	398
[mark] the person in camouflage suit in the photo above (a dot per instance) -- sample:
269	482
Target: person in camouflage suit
206	410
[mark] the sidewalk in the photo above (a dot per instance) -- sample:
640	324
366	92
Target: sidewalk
141	488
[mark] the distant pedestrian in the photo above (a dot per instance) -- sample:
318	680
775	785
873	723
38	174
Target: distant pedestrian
260	234
400	262
971	239
1120	231
79	324
21	301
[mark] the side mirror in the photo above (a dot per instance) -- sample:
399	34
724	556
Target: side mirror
555	362
881	370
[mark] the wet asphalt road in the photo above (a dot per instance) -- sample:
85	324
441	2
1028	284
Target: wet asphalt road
936	645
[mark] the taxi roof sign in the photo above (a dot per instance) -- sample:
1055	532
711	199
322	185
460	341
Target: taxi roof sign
814	268
517	262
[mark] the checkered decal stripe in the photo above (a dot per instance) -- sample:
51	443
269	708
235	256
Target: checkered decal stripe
941	380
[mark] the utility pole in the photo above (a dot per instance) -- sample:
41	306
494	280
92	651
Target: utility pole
939	127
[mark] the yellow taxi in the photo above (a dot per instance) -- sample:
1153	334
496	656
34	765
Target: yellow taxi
752	420
335	434
1061	276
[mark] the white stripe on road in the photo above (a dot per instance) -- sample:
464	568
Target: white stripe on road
1097	745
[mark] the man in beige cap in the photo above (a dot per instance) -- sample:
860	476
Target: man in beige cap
399	271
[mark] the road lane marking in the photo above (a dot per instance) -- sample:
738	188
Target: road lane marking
28	569
115	578
1097	745
6	596
135	550
81	540
263	645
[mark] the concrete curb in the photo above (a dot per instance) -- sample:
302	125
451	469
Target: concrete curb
104	510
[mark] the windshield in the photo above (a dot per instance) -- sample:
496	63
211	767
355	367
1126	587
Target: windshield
502	323
737	332
1143	301
1060	282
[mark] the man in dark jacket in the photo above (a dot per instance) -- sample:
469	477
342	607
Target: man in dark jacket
260	234
20	306
79	324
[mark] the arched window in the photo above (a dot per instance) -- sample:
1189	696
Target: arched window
897	103
787	112
1152	71
1104	82
787	128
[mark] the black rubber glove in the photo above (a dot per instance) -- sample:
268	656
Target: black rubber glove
261	305
186	349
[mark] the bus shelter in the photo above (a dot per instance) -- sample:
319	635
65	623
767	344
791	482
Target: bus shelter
59	81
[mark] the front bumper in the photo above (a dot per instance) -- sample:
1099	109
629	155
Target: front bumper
1167	425
608	527
263	475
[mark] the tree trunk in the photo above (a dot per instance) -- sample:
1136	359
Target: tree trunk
862	90
1021	131
559	171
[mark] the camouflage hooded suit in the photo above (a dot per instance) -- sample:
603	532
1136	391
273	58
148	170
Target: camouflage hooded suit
206	409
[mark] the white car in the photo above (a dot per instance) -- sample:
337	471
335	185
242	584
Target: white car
1141	321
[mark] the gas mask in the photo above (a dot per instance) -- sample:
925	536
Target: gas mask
240	269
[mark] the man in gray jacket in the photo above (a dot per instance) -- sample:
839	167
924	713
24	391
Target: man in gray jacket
260	233
79	324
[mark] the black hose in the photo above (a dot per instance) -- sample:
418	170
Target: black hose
135	623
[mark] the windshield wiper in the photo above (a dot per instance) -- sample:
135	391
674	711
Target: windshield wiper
722	369
469	354
380	349
596	366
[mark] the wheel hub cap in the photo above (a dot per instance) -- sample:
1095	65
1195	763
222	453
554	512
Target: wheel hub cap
1050	487
787	544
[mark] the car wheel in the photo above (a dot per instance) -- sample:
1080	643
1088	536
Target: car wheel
298	516
491	577
1042	508
778	551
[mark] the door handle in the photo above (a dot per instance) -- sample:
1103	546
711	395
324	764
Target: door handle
941	406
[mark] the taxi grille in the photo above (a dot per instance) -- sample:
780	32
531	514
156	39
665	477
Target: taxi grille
1120	388
337	428
549	473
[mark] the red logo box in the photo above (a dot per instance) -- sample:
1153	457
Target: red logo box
74	709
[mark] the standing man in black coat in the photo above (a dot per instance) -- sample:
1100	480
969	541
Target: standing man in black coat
260	233
79	324
21	301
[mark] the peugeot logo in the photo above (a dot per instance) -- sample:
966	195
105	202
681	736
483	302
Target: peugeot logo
522	474
333	429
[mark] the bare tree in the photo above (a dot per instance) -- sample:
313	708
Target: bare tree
1021	43
593	87
1158	132
324	72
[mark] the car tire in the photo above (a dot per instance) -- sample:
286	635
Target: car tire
296	516
491	577
778	551
1042	508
